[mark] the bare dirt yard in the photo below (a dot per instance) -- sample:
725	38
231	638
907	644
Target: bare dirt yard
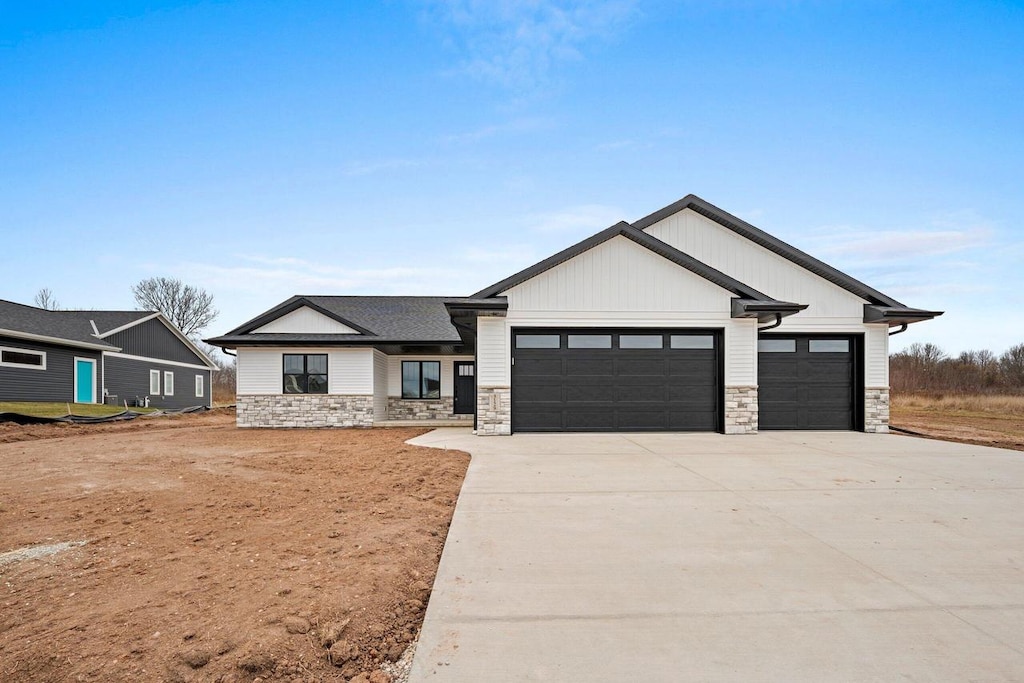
985	420
213	553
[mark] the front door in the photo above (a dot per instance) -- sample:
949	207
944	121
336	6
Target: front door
85	380
465	387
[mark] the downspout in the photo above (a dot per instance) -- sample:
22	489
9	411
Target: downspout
778	321
903	328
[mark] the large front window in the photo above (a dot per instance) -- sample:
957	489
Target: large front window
305	373
421	379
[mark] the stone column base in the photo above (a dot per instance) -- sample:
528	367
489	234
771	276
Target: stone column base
876	410
304	410
493	411
741	410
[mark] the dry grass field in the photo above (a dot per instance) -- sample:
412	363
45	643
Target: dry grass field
996	420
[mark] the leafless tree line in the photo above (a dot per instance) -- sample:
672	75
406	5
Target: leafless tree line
926	368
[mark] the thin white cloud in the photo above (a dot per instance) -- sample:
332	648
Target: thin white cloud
523	125
362	168
576	219
514	43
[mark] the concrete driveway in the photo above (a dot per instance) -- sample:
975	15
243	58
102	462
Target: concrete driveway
776	557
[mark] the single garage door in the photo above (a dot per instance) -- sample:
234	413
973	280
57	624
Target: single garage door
807	382
615	380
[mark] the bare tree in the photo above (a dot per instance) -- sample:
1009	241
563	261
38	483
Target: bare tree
1012	365
45	299
190	308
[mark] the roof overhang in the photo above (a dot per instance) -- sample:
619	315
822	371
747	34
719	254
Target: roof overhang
764	310
465	312
59	341
897	315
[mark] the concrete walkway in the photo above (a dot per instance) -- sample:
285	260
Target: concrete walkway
776	557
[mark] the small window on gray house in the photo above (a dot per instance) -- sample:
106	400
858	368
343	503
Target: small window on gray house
421	379
590	341
537	341
828	345
23	358
693	341
776	345
154	382
305	373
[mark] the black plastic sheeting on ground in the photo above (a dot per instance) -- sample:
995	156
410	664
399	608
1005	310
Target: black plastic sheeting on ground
18	418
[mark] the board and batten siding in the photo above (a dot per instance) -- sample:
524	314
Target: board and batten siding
55	383
305	321
153	339
447	372
380	385
261	370
758	267
128	380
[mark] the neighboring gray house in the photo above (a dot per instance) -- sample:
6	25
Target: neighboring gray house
97	356
690	319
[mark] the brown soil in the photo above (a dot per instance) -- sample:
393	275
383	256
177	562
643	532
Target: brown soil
214	553
985	429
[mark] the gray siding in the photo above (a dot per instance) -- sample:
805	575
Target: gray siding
129	379
152	339
55	383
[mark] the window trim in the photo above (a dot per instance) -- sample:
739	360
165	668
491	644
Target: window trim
22	366
419	383
154	374
168	383
200	386
305	374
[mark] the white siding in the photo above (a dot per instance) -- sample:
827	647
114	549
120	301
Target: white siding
306	321
754	265
380	385
492	355
447	372
618	275
741	353
876	356
349	371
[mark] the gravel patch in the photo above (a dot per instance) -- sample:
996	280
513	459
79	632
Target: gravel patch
399	670
34	552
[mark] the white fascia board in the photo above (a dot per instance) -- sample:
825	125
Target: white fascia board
125	327
174	329
57	340
147	359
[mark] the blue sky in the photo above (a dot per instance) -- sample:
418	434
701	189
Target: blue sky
264	149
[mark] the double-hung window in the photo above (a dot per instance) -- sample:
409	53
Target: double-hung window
168	383
305	373
421	379
154	382
199	386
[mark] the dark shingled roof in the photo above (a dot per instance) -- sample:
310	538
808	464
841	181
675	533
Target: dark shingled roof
384	319
71	326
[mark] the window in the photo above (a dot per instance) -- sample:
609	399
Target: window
168	383
466	369
154	382
776	345
421	379
641	341
693	341
305	373
590	341
199	386
829	346
537	341
23	358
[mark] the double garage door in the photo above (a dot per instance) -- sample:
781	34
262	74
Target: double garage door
616	380
582	380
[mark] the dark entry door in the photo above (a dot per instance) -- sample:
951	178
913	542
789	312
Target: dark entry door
583	380
465	388
807	382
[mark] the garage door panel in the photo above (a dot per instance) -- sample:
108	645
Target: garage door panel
609	389
801	389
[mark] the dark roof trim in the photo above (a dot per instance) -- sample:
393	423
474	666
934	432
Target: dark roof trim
232	342
764	311
293	304
641	238
773	244
900	315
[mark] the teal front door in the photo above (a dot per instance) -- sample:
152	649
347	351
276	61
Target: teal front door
85	381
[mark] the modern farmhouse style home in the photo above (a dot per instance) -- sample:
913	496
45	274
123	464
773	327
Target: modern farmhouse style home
690	319
100	356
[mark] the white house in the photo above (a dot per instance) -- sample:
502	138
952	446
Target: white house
690	319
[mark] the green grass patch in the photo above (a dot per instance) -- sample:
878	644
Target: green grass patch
45	409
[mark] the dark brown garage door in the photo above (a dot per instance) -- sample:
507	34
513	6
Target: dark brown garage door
807	382
615	380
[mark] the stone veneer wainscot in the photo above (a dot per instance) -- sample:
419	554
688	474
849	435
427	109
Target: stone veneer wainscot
741	410
304	410
494	411
419	409
876	410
